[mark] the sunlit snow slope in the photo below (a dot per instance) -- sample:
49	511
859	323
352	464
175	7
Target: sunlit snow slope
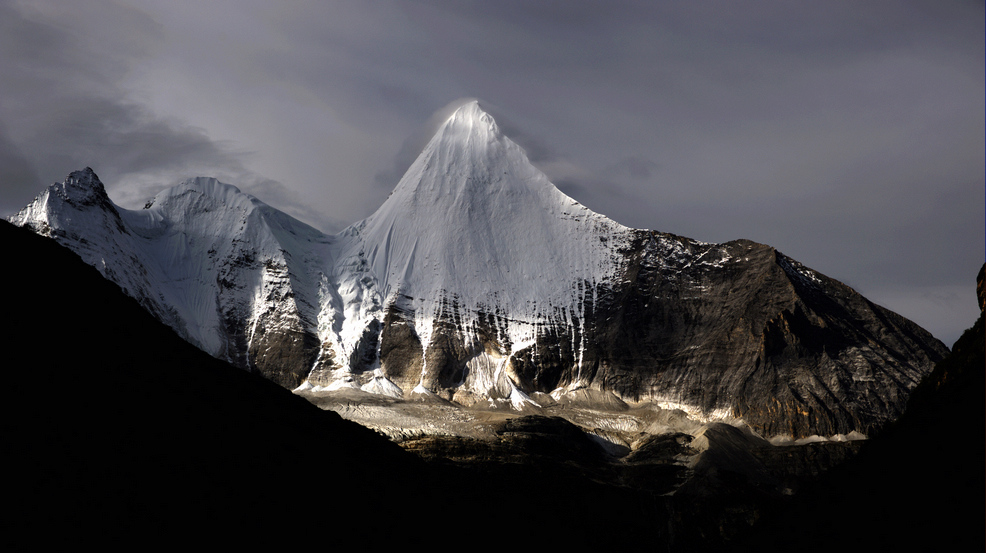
473	230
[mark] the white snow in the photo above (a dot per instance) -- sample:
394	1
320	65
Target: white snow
697	413
422	391
787	439
381	385
474	227
519	400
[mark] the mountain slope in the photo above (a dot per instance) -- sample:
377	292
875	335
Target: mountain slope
477	240
117	429
204	258
479	281
923	473
115	426
755	334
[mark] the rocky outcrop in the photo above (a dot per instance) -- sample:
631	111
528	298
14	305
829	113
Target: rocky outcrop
757	336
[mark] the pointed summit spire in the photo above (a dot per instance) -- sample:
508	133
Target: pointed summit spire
468	160
472	214
83	188
470	117
468	154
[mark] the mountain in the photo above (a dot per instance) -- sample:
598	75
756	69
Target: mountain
115	428
130	431
915	486
113	425
479	282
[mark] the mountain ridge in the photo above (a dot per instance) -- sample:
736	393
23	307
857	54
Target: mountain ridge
129	431
478	280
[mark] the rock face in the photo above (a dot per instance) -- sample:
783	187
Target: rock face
923	473
478	279
758	335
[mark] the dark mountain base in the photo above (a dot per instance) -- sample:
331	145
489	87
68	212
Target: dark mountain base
118	431
116	427
917	486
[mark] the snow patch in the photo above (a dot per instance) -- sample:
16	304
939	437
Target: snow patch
519	400
380	384
786	439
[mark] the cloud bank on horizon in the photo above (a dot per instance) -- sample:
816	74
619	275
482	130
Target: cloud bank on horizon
849	136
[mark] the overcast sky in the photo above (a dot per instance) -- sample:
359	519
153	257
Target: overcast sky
848	135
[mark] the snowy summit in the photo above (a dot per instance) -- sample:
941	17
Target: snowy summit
479	281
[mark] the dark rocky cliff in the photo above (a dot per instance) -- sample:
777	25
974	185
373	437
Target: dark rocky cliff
755	336
783	347
918	485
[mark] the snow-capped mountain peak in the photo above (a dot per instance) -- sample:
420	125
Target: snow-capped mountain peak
479	281
473	229
472	215
471	121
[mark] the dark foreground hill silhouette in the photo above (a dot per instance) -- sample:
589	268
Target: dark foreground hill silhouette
919	485
118	432
115	429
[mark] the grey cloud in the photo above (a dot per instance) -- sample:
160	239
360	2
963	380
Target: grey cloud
289	201
636	167
537	147
65	106
848	135
119	139
19	182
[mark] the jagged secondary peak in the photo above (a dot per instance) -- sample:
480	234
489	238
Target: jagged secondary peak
84	178
82	188
79	201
